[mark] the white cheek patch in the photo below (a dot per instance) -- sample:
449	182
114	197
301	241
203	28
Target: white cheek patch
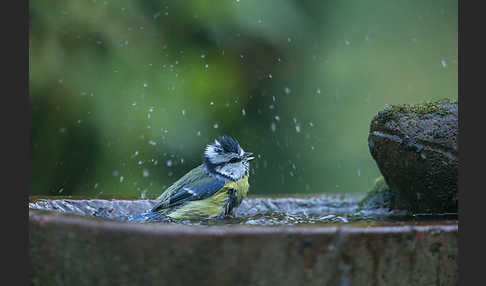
234	171
242	152
218	159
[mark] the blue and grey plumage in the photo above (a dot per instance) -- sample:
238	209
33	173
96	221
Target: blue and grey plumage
214	188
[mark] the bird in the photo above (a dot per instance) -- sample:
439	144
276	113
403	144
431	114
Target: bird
211	190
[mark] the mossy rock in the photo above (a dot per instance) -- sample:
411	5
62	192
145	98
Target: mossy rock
379	196
415	148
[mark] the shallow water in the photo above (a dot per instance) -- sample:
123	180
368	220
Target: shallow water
321	210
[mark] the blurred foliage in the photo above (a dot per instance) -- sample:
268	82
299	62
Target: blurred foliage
124	95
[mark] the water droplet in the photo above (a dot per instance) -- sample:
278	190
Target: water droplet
215	125
169	163
206	66
277	117
359	172
443	63
145	173
183	112
203	56
327	217
347	42
152	142
273	126
121	179
211	103
115	173
287	90
269	75
243	112
60	190
96	185
423	155
145	84
297	128
198	133
318	91
340	219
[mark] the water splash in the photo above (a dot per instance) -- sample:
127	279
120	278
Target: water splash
285	211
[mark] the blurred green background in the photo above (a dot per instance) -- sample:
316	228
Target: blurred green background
124	95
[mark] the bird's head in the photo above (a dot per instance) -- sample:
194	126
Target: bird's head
226	158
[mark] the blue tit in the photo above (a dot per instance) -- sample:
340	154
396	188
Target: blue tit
211	190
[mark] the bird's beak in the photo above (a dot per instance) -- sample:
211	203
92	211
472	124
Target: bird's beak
248	156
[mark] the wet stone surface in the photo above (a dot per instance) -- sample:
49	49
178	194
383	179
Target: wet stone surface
415	148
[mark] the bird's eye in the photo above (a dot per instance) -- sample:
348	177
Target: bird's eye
234	160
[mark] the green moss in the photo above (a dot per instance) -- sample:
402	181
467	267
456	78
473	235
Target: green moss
421	110
379	196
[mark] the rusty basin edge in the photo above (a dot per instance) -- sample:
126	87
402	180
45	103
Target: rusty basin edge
50	218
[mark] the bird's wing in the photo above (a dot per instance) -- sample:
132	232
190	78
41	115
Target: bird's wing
192	176
195	185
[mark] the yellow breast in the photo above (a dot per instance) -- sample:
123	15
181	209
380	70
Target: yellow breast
213	206
241	186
